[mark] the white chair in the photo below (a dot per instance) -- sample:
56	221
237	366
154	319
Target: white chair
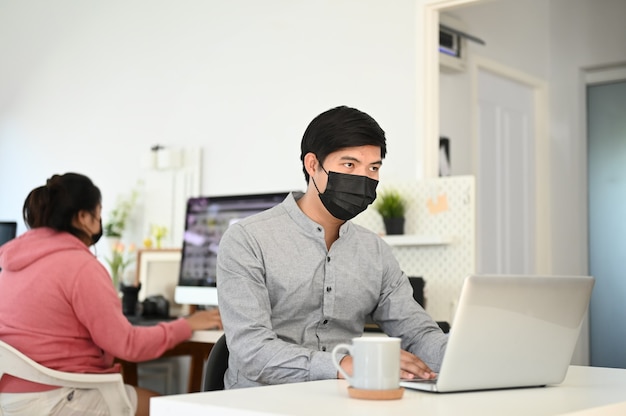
111	386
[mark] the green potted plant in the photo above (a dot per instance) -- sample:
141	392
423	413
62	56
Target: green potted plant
116	222
392	207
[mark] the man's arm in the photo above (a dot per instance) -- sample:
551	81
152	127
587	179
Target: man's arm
407	319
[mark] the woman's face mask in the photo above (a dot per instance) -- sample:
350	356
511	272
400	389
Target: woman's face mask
346	196
96	237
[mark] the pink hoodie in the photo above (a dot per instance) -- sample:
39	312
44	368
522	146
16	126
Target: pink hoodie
58	306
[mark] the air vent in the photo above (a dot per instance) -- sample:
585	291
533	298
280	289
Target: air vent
449	43
452	44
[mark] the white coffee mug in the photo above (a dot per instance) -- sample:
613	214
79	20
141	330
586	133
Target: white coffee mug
375	363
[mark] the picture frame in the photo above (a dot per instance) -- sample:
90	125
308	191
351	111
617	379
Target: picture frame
157	271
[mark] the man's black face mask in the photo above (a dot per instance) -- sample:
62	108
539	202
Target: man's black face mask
346	196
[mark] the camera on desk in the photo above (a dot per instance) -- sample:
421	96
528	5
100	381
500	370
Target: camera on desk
155	306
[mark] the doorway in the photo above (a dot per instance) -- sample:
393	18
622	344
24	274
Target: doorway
529	240
606	145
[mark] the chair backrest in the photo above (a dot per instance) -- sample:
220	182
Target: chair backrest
111	386
216	366
418	283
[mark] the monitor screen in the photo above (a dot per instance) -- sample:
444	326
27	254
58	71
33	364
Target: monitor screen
8	230
206	220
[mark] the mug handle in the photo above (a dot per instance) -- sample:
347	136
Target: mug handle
337	348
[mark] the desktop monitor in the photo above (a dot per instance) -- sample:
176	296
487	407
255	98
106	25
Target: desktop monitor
8	231
206	220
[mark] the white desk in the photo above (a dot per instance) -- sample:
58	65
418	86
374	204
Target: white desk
207	337
588	390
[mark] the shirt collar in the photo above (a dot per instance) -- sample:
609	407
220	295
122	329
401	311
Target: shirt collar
306	223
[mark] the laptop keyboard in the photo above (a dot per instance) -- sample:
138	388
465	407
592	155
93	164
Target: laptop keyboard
420	380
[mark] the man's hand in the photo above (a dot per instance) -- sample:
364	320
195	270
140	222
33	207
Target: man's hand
410	367
346	364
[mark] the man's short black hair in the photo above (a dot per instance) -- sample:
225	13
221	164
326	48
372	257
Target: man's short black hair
338	128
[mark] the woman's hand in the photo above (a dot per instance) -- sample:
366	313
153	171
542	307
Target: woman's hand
209	319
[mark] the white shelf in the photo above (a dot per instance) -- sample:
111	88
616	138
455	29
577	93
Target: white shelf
415	240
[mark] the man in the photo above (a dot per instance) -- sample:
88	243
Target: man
297	279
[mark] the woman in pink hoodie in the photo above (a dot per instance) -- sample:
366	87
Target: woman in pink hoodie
59	307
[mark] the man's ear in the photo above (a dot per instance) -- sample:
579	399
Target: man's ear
311	163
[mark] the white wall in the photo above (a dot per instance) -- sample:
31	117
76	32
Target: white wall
91	86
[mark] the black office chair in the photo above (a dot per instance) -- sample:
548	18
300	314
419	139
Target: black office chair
216	366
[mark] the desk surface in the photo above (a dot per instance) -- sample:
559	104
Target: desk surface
586	391
208	336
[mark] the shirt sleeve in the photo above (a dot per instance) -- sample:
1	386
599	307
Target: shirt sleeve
98	307
259	354
399	315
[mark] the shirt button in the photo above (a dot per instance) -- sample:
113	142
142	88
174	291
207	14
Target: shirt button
325	321
328	259
328	289
323	348
319	229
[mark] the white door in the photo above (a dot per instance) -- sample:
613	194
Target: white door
505	175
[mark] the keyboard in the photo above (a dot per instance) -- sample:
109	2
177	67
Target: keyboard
149	321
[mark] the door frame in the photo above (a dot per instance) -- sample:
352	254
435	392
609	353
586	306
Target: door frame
427	117
427	76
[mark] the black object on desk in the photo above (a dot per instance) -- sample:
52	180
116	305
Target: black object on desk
149	321
154	310
155	306
130	295
417	283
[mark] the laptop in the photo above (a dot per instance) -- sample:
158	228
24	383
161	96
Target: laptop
510	332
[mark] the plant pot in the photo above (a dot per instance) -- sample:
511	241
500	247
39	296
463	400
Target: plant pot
394	226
